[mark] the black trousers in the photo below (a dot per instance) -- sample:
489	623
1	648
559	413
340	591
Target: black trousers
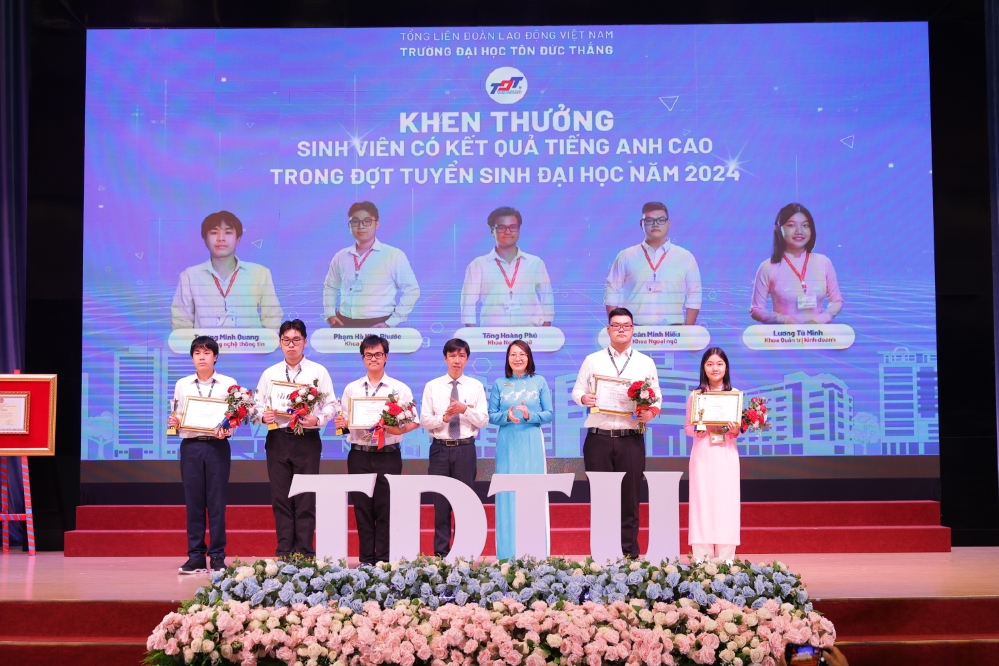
372	513
620	454
294	517
204	471
458	462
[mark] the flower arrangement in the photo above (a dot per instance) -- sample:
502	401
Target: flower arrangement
754	416
241	406
304	401
395	414
507	632
645	399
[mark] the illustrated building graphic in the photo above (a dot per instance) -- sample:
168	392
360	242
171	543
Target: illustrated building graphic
140	403
909	407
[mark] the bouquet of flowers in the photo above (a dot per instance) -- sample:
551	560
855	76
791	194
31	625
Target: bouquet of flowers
395	414
241	406
645	399
754	416
303	402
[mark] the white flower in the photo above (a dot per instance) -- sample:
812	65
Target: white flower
726	616
671	569
731	629
736	569
207	646
188	655
196	645
554	641
635	566
270	568
726	655
644	394
595	567
646	615
311	397
243	573
737	662
709	624
315	651
710	569
226	651
505	568
273	623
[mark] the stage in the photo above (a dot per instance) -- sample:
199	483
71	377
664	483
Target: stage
939	608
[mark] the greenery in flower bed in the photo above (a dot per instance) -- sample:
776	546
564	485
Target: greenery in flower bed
434	582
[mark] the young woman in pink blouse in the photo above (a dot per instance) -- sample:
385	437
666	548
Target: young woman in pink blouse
798	281
715	509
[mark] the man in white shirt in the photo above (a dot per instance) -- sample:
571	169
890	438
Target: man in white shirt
454	408
512	286
365	457
655	279
369	284
225	292
613	443
204	461
287	453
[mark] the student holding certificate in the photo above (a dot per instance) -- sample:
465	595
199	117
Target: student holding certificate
613	441
204	460
287	453
714	469
518	403
366	457
798	281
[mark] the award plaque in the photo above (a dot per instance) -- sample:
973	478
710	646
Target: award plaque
717	408
203	414
14	412
612	396
364	413
280	398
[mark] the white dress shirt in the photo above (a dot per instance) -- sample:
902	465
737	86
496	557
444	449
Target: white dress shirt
655	297
249	303
216	387
364	388
639	368
529	302
304	374
437	398
371	291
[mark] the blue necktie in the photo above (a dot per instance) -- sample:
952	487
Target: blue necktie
454	424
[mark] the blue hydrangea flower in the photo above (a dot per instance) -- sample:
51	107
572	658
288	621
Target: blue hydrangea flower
317	583
298	598
672	579
357	605
635	577
654	591
728	594
271	585
699	596
785	589
347	590
761	585
748	591
286	593
289	569
426	590
213	596
453	578
552	600
718	586
237	590
257	598
667	593
433	601
758	604
226	584
574	590
461	598
317	599
739	600
526	594
684	587
802	595
494	597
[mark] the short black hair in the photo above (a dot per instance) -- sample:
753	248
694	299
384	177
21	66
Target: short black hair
294	324
205	342
504	211
620	312
655	205
363	205
529	370
371	341
216	220
457	344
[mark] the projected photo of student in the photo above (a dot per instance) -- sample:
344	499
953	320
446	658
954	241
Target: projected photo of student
369	284
798	281
225	292
657	280
512	286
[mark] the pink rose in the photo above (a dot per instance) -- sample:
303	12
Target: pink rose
709	641
703	656
534	660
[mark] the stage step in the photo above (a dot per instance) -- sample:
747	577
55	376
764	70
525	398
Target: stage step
767	527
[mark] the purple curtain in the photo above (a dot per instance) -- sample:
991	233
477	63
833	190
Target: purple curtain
14	32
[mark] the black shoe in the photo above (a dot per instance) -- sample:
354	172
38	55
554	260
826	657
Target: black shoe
194	565
218	563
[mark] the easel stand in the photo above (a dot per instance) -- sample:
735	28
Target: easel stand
7	518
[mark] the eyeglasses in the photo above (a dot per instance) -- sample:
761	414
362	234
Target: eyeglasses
507	228
376	356
363	224
655	221
620	327
292	342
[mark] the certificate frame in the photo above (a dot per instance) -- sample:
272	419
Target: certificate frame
25	417
282	412
184	425
40	418
352	422
605	379
729	401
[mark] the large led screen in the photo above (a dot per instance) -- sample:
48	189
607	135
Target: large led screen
717	128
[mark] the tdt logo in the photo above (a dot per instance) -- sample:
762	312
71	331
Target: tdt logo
506	85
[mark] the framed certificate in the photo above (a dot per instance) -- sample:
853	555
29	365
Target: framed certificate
717	407
612	396
364	412
280	397
203	414
15	412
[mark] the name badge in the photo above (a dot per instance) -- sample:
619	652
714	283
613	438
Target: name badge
806	302
717	438
512	307
656	287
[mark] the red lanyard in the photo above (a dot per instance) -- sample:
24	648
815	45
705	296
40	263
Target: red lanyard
218	285
357	266
804	269
510	282
649	259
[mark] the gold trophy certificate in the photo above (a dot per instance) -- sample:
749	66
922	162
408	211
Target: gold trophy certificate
612	396
14	411
280	399
718	408
364	413
203	414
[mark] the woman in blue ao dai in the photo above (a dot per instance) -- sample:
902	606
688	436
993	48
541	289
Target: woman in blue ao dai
518	403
